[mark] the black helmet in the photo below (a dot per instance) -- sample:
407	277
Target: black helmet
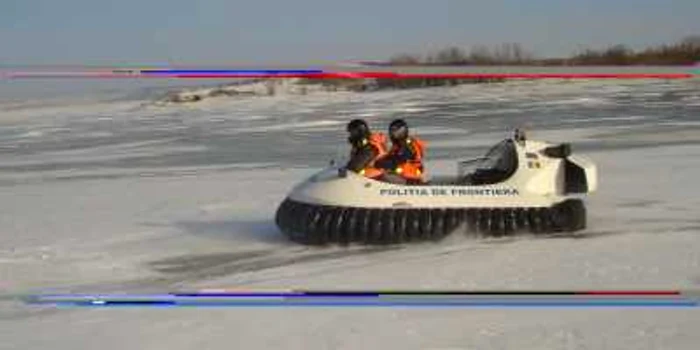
398	130
358	130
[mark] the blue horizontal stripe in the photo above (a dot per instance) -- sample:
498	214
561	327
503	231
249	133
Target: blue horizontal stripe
378	304
264	305
341	298
99	296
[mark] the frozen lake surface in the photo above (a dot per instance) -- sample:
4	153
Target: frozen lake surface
124	197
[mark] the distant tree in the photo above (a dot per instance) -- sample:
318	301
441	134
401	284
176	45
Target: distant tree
451	55
617	55
510	53
691	40
405	59
480	54
691	46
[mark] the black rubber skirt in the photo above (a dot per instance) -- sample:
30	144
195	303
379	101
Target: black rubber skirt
318	224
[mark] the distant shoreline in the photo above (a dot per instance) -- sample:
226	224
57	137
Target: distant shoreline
303	86
306	86
549	63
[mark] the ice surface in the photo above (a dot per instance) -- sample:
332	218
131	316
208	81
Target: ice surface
127	198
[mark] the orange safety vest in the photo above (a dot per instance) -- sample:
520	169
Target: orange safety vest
378	141
412	169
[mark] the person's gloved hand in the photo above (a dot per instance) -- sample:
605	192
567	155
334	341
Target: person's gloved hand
343	172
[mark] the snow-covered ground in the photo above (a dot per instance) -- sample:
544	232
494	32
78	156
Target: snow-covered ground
122	197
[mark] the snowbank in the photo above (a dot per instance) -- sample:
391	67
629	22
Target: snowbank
256	87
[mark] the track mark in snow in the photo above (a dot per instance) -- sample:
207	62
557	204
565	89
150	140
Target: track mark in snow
692	228
640	204
190	263
584	235
189	268
263	231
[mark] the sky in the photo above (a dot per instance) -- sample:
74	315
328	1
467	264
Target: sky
145	32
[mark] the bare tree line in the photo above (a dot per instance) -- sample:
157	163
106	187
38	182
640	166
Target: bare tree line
685	51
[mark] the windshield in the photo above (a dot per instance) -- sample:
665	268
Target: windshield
501	157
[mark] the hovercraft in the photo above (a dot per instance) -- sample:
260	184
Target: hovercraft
519	186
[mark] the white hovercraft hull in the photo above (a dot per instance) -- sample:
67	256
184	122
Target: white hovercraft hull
539	193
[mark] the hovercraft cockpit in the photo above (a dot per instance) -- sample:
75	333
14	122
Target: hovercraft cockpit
499	164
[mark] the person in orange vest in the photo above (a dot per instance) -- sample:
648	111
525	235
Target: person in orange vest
367	148
405	158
